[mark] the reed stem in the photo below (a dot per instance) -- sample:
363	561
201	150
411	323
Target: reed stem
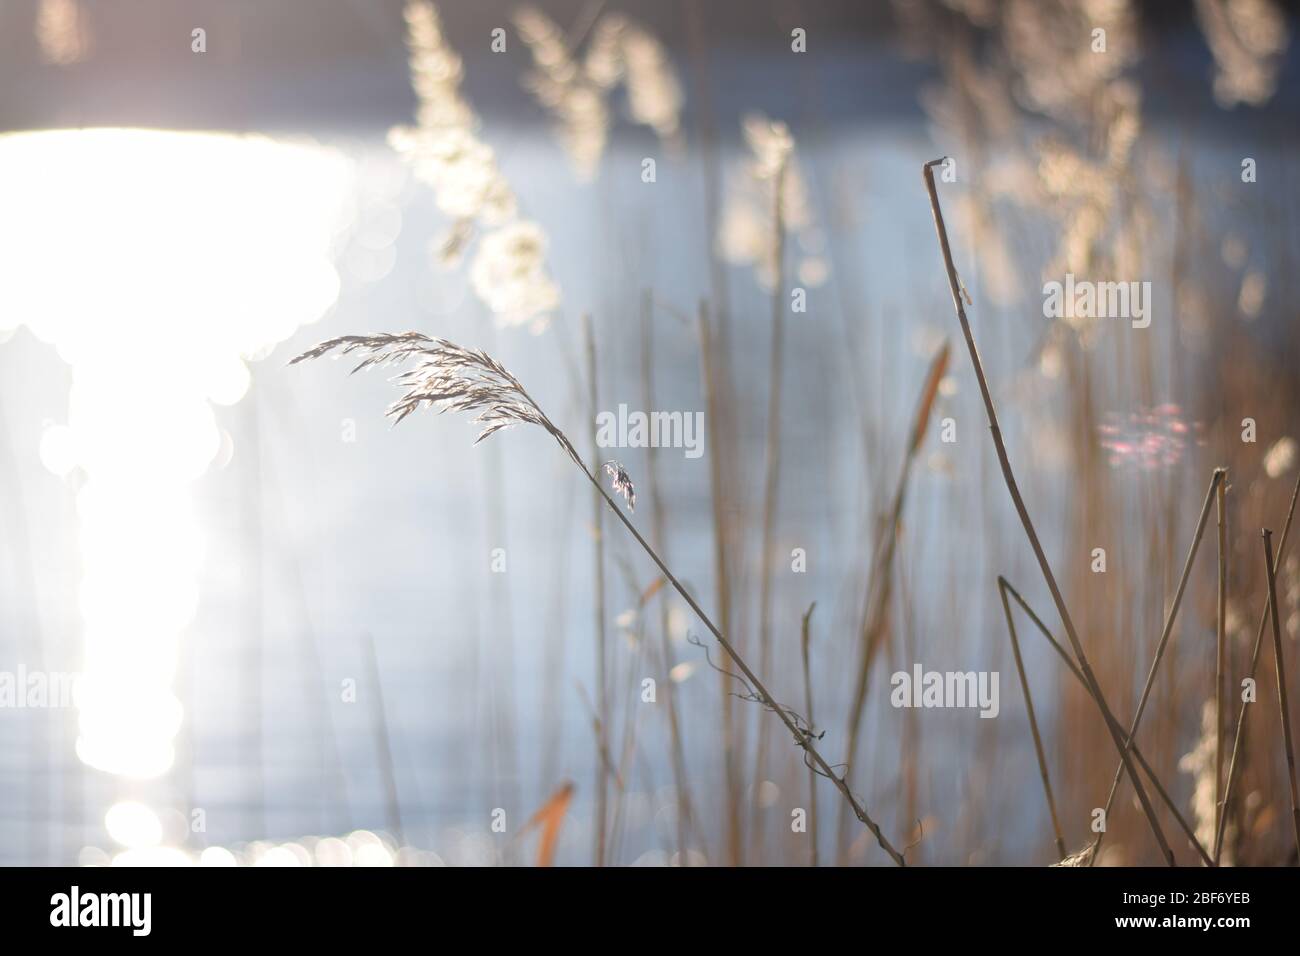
1135	750
1091	680
711	372
802	738
1220	646
1216	485
1284	710
772	471
677	750
1254	664
1033	722
804	636
598	558
875	613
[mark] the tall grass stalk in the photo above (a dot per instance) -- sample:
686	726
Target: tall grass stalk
805	635
718	492
802	737
677	750
1086	855
1284	710
383	746
1238	736
1033	722
598	558
628	750
772	469
706	131
1116	733
875	613
719	391
1216	485
451	378
501	681
1220	646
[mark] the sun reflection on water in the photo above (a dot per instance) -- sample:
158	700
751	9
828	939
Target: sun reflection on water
157	263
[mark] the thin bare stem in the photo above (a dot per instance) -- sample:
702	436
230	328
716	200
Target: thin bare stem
1220	646
598	557
712	371
1216	484
1254	663
1116	733
1284	711
1033	722
875	613
598	731
802	737
452	378
383	748
804	637
677	750
628	750
1135	750
772	471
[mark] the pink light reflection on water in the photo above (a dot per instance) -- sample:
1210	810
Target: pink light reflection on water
1149	439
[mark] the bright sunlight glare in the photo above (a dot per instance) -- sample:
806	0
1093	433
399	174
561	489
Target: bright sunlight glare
157	263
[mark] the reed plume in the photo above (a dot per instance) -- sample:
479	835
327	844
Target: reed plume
576	89
449	377
445	151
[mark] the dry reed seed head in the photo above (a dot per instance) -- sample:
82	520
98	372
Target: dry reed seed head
1084	191
622	483
448	377
770	142
1081	858
383	347
603	63
576	91
970	87
653	91
462	171
445	152
1247	39
450	246
435	68
1065	60
746	227
1002	282
509	274
563	87
1059	58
